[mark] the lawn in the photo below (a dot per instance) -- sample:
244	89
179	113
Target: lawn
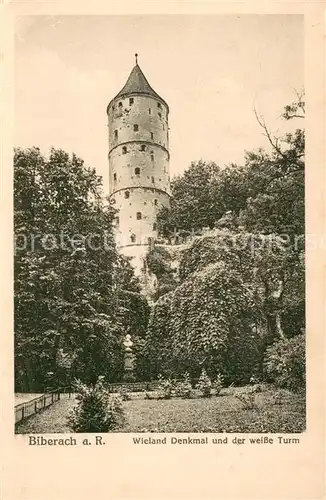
53	419
275	411
23	397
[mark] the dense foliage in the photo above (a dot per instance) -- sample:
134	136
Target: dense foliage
241	285
285	363
230	304
75	297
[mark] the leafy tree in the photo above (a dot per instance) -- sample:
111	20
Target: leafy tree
191	204
238	293
68	286
199	325
258	212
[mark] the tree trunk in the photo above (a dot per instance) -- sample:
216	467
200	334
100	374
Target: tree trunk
278	322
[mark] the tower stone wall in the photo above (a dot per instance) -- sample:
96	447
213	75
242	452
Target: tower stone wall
139	181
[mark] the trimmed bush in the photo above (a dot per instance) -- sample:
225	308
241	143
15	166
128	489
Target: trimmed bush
183	388
285	363
204	384
218	384
97	410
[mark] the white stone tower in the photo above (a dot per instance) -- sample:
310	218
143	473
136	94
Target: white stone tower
139	181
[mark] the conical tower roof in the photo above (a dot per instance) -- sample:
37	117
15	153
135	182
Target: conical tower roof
137	84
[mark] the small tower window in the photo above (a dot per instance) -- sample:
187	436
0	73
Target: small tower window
152	135
131	101
159	105
124	150
152	157
160	115
154	226
116	134
137	171
155	202
120	104
149	111
143	147
153	179
138	216
114	177
127	194
133	238
136	128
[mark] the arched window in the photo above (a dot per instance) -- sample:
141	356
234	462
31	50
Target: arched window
138	216
153	179
160	115
131	101
133	238
114	177
127	194
159	105
116	134
154	226
152	157
152	135
124	150
137	171
155	202
120	104
143	147
136	127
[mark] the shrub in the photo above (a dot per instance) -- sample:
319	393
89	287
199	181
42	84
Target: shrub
96	410
285	363
183	388
218	384
166	387
204	384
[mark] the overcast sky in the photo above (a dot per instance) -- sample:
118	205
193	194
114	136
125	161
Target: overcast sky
211	70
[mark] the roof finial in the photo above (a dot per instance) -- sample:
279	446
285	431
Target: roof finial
136	56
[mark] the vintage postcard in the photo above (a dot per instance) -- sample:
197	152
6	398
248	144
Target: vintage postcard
163	213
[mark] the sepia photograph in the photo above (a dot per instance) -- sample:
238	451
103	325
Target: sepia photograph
159	224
